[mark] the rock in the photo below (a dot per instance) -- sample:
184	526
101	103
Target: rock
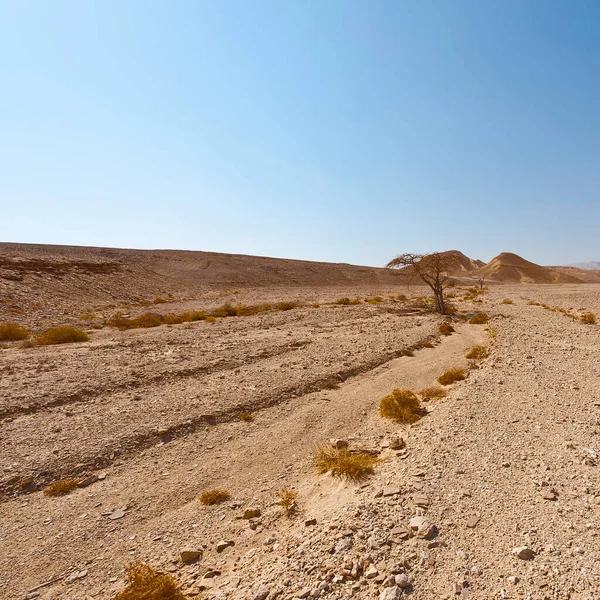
304	593
251	513
310	522
402	581
513	579
189	555
371	573
343	545
391	490
397	443
524	553
393	593
88	481
117	514
338	444
262	594
389	581
163	430
75	576
426	530
472	522
222	545
417	521
550	494
421	500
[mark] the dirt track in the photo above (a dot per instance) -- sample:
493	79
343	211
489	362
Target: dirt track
523	423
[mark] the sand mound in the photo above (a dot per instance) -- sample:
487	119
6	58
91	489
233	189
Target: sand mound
511	268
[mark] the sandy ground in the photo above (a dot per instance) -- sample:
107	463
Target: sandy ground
507	459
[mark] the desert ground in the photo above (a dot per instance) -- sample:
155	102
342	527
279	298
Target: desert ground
503	471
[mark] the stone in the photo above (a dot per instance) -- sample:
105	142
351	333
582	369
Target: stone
262	594
402	581
304	593
338	444
251	513
550	495
310	522
85	482
391	490
513	579
392	593
426	530
524	553
223	545
117	514
371	573
389	581
421	500
343	545
163	430
417	521
189	555
472	522
397	443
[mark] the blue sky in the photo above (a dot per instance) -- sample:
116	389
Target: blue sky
321	130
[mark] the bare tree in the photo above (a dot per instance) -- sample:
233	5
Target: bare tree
431	268
481	282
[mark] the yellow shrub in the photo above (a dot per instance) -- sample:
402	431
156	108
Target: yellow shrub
144	583
11	332
62	335
354	465
478	319
402	406
452	375
60	488
477	353
214	497
446	329
588	318
433	393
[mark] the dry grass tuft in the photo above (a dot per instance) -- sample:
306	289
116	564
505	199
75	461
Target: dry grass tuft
159	300
247	417
285	305
287	499
144	583
353	465
402	406
427	345
374	300
214	497
346	301
477	353
211	319
588	318
452	375
507	301
11	332
61	488
433	393
492	332
316	305
446	329
478	319
62	335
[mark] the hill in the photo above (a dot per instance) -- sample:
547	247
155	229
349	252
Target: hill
511	268
591	265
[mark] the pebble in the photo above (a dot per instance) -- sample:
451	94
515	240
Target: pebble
251	513
524	553
189	555
393	593
117	514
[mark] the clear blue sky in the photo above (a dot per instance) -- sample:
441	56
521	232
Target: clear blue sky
322	130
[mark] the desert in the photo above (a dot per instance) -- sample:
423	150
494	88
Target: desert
492	491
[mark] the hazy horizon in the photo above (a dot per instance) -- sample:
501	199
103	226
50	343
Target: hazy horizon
335	131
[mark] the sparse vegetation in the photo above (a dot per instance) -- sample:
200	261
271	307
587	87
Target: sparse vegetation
159	300
12	332
61	488
247	417
427	345
479	319
374	300
346	301
588	318
287	499
285	305
507	301
433	393
62	335
354	465
477	353
446	329
212	497
144	583
452	375
211	319
402	406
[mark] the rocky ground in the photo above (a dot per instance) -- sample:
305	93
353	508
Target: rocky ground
495	493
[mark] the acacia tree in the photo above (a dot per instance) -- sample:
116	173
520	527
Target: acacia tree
431	268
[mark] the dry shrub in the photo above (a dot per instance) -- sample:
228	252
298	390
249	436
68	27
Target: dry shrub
433	393
477	353
533	303
211	319
588	318
144	583
492	332
285	305
287	499
478	319
346	301
11	332
212	497
247	417
87	316
61	488
506	301
159	300
316	305
402	297
402	406
62	335
427	345
446	329
407	352
353	465
375	300
452	375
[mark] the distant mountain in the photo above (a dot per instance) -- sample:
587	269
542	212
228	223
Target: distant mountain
511	268
592	265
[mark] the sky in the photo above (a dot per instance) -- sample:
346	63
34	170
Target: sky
344	131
